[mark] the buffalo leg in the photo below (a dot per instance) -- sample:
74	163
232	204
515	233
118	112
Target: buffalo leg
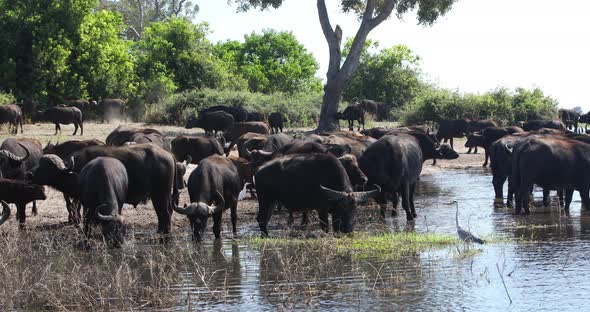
405	190
394	203
412	208
234	217
21	216
56	128
584	196
560	196
498	182
81	129
323	214
546	194
217	224
265	210
525	197
382	202
75	128
568	198
485	163
451	140
161	205
34	211
304	218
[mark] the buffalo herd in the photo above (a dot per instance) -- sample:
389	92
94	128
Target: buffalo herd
328	172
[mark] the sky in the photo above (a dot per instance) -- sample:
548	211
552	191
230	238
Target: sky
476	47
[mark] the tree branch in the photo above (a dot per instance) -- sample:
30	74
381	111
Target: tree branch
333	46
387	9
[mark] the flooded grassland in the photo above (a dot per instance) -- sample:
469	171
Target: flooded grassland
536	262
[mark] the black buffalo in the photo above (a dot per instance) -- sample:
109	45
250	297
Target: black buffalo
20	194
308	182
103	185
377	109
269	144
486	137
211	122
17	157
12	115
449	129
63	115
570	118
239	114
394	163
276	122
346	143
123	134
352	113
585	118
255	116
113	108
197	148
552	163
66	149
213	187
151	170
238	129
535	125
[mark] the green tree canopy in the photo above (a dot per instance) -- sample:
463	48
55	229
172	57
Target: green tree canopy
271	62
390	75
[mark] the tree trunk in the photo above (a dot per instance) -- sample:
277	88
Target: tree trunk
339	74
332	94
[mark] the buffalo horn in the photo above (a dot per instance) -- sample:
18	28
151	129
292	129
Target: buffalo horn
219	204
188	160
71	164
5	212
103	218
13	157
184	211
332	194
361	197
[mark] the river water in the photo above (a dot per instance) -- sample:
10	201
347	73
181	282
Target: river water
542	263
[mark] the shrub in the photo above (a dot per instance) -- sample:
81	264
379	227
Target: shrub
501	105
300	109
6	98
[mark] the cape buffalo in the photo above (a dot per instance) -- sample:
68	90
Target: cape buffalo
449	129
394	163
20	194
347	143
211	122
308	182
377	109
17	157
103	184
569	168
264	143
12	115
213	187
352	113
239	114
63	115
570	118
66	149
197	148
151	171
238	129
113	108
123	134
485	139
534	125
276	122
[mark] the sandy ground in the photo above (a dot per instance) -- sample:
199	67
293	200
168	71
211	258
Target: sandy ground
142	219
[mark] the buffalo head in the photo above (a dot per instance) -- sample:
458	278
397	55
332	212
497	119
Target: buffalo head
193	122
444	151
474	140
9	161
344	206
198	213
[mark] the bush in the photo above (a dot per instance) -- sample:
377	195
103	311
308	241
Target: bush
501	105
6	98
300	109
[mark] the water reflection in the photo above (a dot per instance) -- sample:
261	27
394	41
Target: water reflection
543	262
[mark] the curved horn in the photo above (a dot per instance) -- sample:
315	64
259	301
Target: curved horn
184	211
26	150
5	212
361	197
262	153
332	194
70	165
103	218
219	204
509	147
188	160
13	157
